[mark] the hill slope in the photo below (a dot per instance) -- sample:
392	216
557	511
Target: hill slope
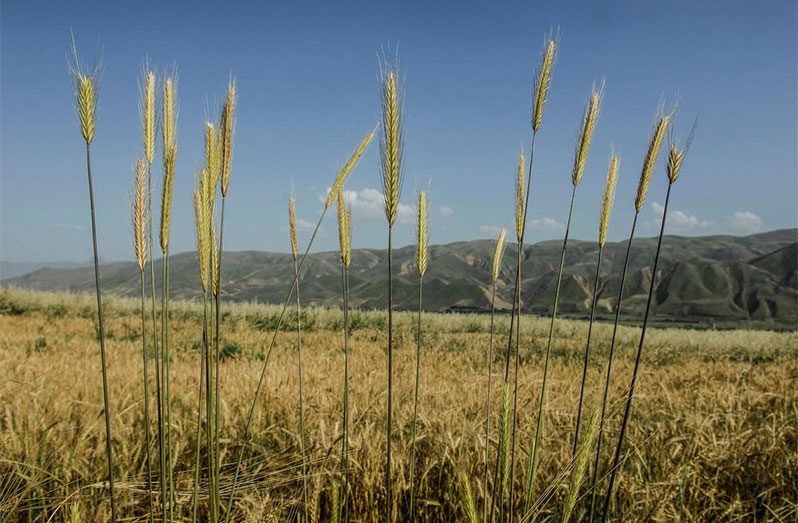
702	279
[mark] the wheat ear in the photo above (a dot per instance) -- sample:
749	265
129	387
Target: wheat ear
586	133
580	467
148	115
343	174
650	160
422	234
520	191
543	81
608	198
226	129
498	253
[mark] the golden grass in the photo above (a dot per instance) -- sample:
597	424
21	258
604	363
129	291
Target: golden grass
713	438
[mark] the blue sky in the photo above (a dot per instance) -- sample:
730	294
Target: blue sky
309	90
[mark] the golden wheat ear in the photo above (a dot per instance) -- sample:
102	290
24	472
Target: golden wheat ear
589	120
520	191
292	225
147	109
543	80
392	141
340	178
140	214
650	160
498	253
226	130
677	153
609	197
422	234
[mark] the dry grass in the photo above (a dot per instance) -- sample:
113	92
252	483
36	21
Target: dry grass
714	433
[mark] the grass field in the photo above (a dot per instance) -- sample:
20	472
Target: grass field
714	432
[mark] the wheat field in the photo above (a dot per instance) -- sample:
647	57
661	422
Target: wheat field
714	435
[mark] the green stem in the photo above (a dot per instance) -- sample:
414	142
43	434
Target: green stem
302	441
209	419
388	479
609	371
627	411
533	456
215	511
587	349
415	404
199	402
345	441
167	392
515	384
101	336
487	402
146	398
263	369
158	376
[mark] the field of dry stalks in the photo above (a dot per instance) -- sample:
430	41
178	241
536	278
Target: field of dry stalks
713	436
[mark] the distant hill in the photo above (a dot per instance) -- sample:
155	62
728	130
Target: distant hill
10	269
705	280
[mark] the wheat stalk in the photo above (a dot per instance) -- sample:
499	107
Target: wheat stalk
344	244
169	131
498	253
582	150
642	188
341	175
85	85
391	153
140	249
302	440
422	255
675	162
606	210
147	108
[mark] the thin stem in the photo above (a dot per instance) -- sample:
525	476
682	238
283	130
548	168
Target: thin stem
533	461
609	369
166	365
101	335
265	364
301	397
215	511
158	376
516	305
146	398
587	349
515	381
345	440
415	404
209	419
203	351
487	402
388	479
627	411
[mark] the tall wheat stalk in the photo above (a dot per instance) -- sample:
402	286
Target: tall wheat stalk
422	260
302	441
147	109
169	158
140	218
345	254
86	85
391	152
650	160
542	83
580	160
337	185
226	128
203	251
503	454
498	253
604	221
676	156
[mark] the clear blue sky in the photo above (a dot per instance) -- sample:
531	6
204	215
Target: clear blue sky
309	90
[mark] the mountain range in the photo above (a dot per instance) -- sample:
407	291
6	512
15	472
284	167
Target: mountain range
709	280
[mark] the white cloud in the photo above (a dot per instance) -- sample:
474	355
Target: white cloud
545	224
370	203
304	225
745	222
491	229
446	210
680	220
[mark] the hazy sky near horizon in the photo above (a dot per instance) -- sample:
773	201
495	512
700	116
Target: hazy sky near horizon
308	83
